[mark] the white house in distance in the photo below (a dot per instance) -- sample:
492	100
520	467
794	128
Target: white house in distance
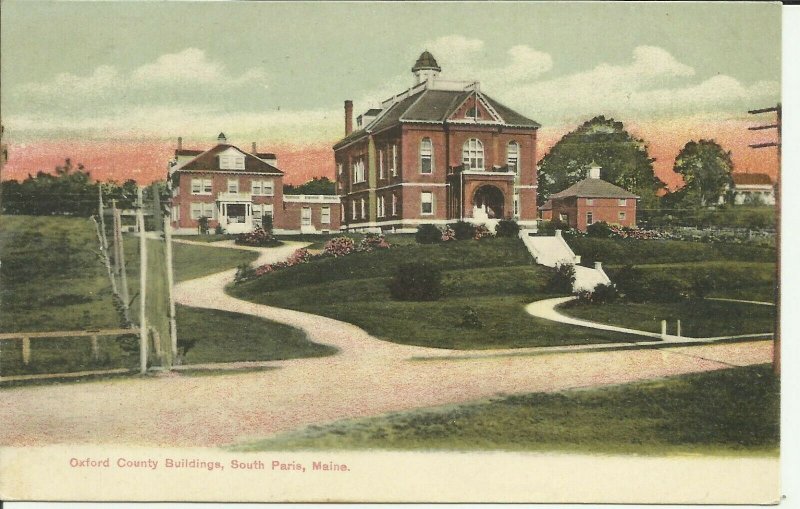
749	187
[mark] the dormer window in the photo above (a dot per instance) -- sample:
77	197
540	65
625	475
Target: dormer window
231	162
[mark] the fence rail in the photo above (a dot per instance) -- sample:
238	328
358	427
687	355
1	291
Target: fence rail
94	335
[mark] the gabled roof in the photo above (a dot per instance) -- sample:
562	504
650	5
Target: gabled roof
750	179
548	205
208	162
184	152
433	106
593	188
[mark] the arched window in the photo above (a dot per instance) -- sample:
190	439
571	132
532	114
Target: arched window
512	156
426	156
473	154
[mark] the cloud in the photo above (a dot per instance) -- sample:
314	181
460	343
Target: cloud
168	74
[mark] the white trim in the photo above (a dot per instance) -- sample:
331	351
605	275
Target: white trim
311	198
229	172
526	187
492	173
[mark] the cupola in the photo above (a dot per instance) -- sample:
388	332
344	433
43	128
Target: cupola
426	68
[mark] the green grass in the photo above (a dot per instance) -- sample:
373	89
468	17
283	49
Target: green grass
731	411
630	251
699	318
212	237
495	277
220	336
51	279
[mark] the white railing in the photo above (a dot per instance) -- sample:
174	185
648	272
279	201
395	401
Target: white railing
235	196
320	198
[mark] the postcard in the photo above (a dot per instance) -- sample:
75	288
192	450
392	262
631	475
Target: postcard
391	252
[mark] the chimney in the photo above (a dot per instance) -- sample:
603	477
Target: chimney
348	117
254	151
180	143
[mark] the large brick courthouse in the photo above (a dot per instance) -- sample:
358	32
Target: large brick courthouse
438	152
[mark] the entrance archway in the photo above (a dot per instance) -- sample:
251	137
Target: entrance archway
488	203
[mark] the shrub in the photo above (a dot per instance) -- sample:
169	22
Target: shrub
599	229
470	319
428	234
299	256
266	222
448	234
202	225
339	246
416	282
463	230
701	285
372	241
562	279
218	229
258	238
603	294
507	228
482	231
243	273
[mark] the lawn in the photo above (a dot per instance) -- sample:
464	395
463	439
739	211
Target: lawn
731	411
493	277
699	318
208	335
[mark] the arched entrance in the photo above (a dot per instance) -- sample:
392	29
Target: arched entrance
488	203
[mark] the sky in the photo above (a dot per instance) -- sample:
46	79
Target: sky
113	84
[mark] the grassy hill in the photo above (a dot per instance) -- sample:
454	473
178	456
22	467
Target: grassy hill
495	278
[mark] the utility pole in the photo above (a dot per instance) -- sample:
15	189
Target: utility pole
776	350
119	262
143	328
173	328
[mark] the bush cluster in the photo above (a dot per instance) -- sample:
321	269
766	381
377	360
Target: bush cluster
470	319
562	279
416	281
507	228
601	294
463	230
257	238
428	234
339	246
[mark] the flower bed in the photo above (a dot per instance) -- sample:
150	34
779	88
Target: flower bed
257	238
334	248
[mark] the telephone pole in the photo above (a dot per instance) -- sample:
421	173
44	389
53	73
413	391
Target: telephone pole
776	350
143	329
119	262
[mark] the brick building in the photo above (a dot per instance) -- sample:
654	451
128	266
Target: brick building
590	201
438	152
236	189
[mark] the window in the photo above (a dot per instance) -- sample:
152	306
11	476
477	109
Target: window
426	156
622	216
393	166
267	209
353	215
325	215
305	216
199	210
231	162
358	171
564	218
176	213
201	186
380	163
589	219
473	112
339	168
363	208
589	201
262	188
394	204
516	206
473	154
341	213
512	156
426	199
233	186
622	202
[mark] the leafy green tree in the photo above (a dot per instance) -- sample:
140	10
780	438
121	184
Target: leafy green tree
317	185
624	161
706	170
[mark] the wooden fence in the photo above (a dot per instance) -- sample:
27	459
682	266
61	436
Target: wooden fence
93	336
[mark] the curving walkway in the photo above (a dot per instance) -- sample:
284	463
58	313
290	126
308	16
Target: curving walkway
547	309
368	376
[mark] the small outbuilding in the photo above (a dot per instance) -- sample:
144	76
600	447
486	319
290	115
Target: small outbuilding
592	200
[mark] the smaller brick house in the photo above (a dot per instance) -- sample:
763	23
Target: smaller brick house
235	190
593	200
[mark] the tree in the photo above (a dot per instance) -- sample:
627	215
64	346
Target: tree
706	170
624	161
317	185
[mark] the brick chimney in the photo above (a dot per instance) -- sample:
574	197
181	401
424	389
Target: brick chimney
180	143
348	117
254	151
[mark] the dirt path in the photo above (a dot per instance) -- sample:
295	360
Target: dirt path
367	377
